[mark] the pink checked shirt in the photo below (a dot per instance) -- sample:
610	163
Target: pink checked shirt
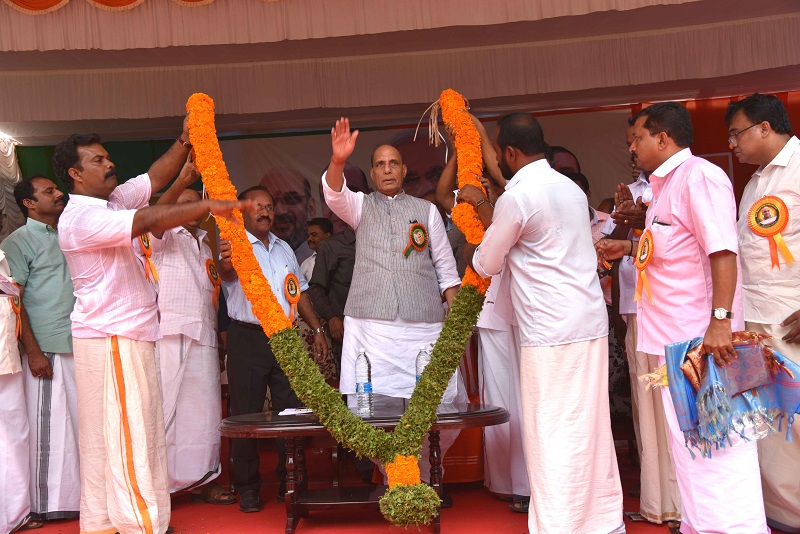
113	295
692	215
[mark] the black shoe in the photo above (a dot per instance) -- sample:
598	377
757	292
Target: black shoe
447	501
250	501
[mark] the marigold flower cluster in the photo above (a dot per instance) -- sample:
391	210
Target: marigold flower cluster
403	470
469	159
210	165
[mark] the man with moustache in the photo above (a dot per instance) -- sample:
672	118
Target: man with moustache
252	366
659	498
540	240
694	284
39	267
395	301
123	466
188	296
760	133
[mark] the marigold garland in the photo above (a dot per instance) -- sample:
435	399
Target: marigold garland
403	470
404	504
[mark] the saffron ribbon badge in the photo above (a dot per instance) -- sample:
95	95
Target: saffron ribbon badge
213	275
147	248
291	290
643	256
417	238
15	305
767	218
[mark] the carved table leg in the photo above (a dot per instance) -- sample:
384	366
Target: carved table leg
290	499
302	472
436	473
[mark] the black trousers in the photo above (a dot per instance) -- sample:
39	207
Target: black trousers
251	369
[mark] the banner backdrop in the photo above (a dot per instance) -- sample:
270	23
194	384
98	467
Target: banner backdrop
291	167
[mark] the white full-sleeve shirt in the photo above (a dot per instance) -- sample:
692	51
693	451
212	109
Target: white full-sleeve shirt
113	297
539	234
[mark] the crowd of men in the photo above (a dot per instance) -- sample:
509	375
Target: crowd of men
111	347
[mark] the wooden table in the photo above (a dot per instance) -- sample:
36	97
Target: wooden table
386	414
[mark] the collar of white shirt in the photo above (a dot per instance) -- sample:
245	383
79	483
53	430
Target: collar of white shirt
783	157
84	199
535	166
672	163
253	239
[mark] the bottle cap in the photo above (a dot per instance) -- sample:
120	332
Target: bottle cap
362	349
422	347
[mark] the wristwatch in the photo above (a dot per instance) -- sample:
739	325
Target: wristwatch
721	313
320	330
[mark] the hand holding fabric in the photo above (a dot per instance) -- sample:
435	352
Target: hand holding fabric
719	342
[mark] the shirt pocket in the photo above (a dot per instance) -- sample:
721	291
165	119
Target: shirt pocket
662	241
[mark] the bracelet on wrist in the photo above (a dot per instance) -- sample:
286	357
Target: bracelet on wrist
186	144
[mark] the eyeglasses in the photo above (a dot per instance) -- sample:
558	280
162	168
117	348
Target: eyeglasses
735	135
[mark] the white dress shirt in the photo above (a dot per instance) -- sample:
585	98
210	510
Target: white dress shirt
539	233
113	297
185	291
276	262
308	265
9	347
772	294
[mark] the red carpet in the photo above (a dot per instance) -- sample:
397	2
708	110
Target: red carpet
473	511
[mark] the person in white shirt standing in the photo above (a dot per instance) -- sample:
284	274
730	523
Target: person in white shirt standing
540	236
123	466
15	474
760	133
188	297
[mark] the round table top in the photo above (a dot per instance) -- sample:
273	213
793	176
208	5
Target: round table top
386	414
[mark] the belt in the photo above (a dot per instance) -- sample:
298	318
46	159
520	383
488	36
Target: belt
247	325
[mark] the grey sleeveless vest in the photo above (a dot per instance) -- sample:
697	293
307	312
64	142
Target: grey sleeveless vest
386	284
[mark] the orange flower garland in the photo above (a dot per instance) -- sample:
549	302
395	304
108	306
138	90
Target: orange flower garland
403	471
469	159
208	160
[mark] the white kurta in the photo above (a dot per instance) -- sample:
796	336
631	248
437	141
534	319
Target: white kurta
540	237
14	470
188	361
504	467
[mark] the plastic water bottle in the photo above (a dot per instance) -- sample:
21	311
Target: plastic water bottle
363	383
423	359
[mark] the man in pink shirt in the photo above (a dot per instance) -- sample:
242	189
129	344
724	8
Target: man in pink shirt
124	485
694	290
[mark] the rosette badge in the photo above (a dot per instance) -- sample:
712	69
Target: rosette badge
767	218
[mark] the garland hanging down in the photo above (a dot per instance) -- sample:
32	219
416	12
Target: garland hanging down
407	501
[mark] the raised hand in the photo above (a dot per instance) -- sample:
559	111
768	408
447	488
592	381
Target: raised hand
343	141
224	208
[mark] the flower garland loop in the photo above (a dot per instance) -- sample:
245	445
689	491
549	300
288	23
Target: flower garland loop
407	501
469	159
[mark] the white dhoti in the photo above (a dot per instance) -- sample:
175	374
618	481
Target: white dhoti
14	453
124	486
572	465
192	410
780	459
53	418
504	466
659	499
721	494
392	348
